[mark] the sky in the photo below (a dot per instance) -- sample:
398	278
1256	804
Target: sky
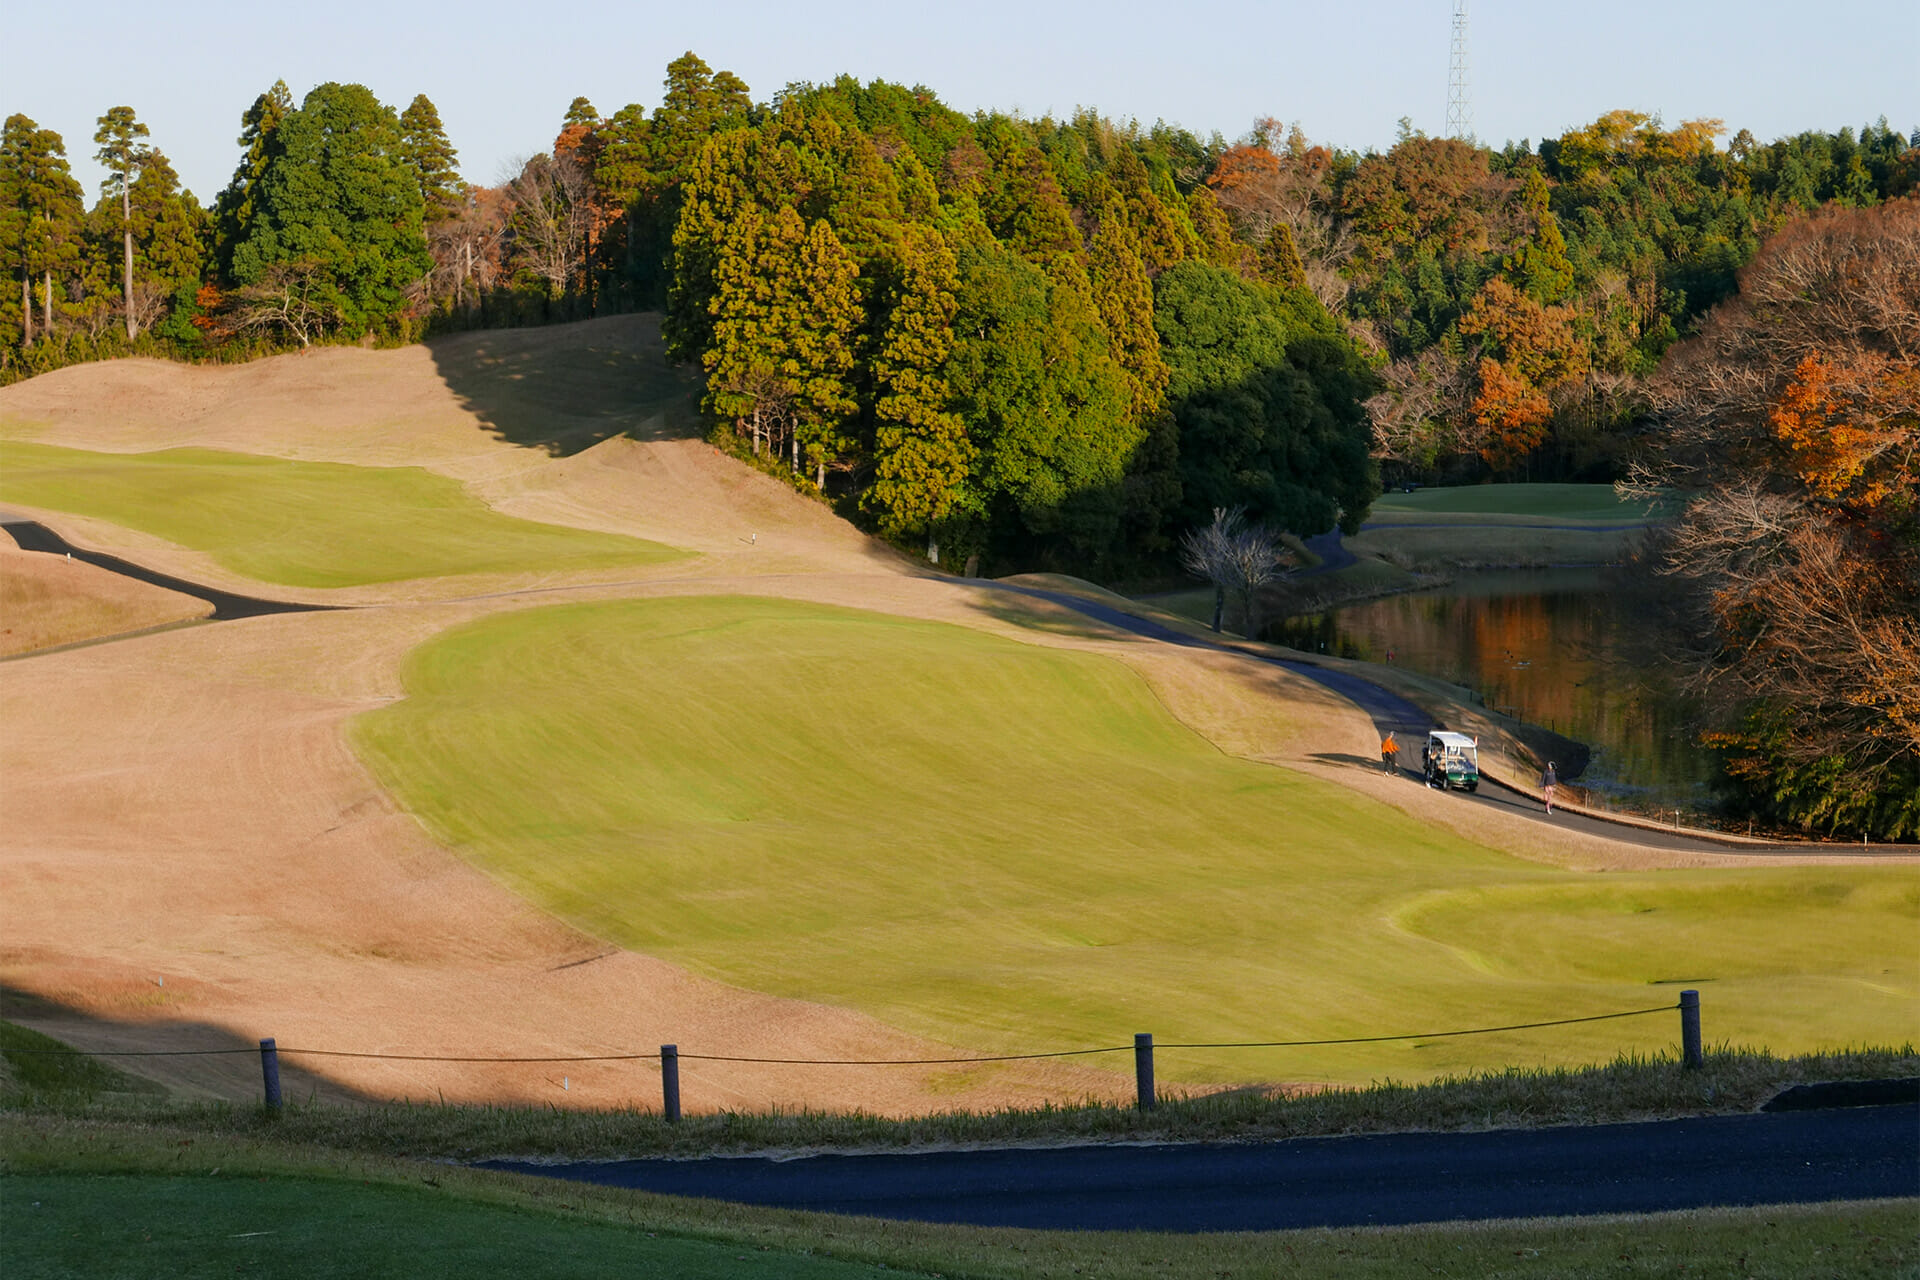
503	74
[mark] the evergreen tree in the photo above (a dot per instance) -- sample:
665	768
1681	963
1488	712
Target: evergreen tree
1279	261
825	344
428	154
44	214
1539	266
236	206
339	205
922	457
123	156
1124	297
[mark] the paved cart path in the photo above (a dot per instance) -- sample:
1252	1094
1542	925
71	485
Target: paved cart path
1797	1157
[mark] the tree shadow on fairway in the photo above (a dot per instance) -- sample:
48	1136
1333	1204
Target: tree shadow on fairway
1033	612
565	388
232	1071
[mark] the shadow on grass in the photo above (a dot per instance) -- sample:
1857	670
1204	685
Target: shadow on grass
565	388
231	1071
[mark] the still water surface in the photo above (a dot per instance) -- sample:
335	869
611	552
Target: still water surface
1556	647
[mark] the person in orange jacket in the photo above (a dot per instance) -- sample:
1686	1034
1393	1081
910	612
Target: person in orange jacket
1389	754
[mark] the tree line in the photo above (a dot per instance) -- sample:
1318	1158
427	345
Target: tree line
1068	343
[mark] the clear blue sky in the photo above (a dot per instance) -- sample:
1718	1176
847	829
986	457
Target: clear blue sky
502	74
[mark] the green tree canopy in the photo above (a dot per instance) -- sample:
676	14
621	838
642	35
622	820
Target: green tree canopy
338	198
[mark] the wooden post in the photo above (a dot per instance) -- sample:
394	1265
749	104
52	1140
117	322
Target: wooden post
670	1082
1143	1069
270	1073
1690	1030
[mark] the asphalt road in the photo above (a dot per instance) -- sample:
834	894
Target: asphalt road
1391	712
1798	1157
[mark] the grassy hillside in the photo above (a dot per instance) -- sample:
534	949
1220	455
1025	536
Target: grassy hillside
305	524
1018	849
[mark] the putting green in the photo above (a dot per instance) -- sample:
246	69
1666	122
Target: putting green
1017	849
306	524
1574	503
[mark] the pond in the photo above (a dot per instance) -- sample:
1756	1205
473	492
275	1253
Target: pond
1560	648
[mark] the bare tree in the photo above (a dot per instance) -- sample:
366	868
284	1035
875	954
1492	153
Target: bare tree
1793	428
552	218
1238	559
296	298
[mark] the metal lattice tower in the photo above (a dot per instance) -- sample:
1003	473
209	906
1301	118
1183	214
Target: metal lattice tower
1459	79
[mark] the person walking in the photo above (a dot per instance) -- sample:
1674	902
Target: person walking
1389	754
1548	781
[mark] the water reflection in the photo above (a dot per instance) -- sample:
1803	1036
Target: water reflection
1562	648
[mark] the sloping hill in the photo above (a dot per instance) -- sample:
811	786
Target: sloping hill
585	425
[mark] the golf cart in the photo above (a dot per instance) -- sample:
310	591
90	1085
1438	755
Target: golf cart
1451	760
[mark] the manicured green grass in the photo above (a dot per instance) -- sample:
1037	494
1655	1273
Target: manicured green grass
97	1225
1571	503
306	524
103	1190
1017	849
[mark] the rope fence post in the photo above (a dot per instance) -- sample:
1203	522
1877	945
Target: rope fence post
270	1073
670	1082
1143	1069
1690	1055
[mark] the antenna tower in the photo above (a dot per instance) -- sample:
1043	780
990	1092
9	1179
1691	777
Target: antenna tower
1459	81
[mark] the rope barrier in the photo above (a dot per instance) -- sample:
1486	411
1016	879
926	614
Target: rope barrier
851	1062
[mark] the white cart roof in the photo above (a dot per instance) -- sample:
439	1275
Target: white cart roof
1449	739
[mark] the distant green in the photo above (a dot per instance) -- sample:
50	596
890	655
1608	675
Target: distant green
1573	503
306	524
1016	848
120	1225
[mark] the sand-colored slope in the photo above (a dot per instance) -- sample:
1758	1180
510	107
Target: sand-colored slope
584	425
50	600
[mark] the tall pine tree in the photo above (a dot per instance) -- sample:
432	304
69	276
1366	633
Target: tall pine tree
123	156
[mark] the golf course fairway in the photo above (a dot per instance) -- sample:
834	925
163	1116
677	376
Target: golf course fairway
1016	848
306	524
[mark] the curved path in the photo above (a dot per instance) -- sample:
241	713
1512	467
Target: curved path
1797	1157
1389	711
1392	713
31	535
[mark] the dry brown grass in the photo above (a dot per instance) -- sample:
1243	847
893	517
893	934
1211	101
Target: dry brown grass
48	600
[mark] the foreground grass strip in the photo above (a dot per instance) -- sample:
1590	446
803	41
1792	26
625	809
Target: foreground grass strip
1017	849
1630	1089
383	1213
306	524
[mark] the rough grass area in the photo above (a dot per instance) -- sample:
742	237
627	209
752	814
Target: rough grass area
1471	545
48	600
38	1067
98	1225
1566	503
306	524
1631	1088
1017	849
119	1199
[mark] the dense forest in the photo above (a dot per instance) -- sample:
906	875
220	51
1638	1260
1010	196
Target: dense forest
1067	343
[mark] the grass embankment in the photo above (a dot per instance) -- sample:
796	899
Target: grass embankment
306	524
1017	849
1502	525
51	600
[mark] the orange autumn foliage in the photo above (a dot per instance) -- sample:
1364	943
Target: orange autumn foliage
1512	412
1850	432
